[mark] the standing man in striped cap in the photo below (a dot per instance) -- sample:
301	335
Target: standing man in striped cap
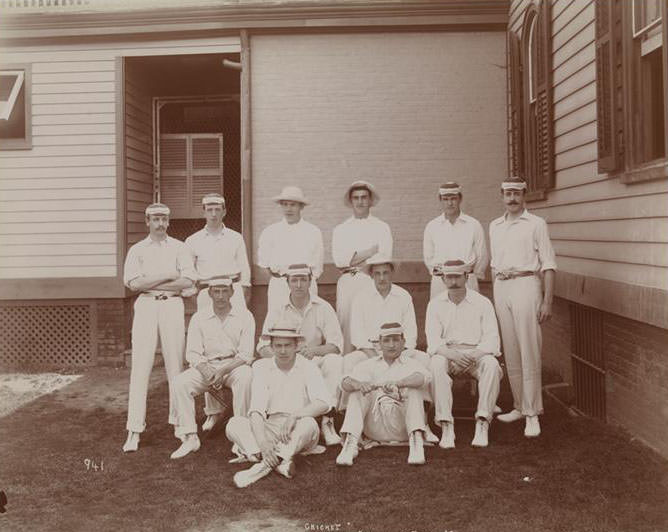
353	242
454	235
159	268
220	251
292	240
523	266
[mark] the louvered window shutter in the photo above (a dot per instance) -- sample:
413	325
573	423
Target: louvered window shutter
516	106
544	111
174	173
608	85
207	168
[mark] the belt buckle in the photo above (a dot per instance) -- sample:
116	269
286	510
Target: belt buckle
160	297
504	276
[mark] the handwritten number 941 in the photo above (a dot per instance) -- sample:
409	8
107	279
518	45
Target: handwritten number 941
92	465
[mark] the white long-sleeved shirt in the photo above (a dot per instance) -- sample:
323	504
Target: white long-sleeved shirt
219	253
472	322
357	234
152	257
317	323
522	244
210	338
377	371
282	244
370	310
464	240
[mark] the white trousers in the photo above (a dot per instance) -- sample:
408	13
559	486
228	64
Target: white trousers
191	383
487	372
352	359
331	367
517	302
237	300
278	292
347	287
303	437
152	319
383	419
438	286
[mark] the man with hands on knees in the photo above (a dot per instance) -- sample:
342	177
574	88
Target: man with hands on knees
316	320
385	402
287	394
462	339
219	348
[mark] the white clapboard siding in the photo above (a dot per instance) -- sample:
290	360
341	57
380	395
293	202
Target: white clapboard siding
600	227
63	191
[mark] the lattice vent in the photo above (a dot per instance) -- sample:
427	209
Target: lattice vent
46	335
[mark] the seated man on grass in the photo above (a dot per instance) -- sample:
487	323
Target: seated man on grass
219	347
287	393
462	339
385	402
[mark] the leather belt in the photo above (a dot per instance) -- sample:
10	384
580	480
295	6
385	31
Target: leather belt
159	297
505	276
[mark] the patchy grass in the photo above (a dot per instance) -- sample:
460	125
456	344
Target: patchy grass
580	475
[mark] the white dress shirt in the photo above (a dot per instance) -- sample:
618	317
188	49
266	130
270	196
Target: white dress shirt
356	234
275	391
219	253
472	322
520	245
464	240
317	322
370	310
282	244
376	371
210	338
166	257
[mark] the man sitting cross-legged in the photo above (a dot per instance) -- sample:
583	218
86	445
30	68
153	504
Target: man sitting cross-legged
385	400
462	339
287	394
316	320
219	346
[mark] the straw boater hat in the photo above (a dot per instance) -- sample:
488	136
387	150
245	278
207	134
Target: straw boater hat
283	329
387	329
450	188
298	269
291	194
379	258
213	199
157	208
375	198
514	183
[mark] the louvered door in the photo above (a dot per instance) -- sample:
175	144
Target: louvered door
191	165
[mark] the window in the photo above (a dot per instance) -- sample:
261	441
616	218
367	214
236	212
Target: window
15	130
531	122
631	86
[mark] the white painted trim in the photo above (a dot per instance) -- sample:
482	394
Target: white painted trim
8	105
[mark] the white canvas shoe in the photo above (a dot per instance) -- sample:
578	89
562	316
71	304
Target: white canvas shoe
252	474
416	448
329	432
210	421
532	427
448	435
349	451
189	445
286	468
509	417
481	437
429	436
132	443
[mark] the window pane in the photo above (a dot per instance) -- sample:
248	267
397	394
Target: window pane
15	126
6	85
645	14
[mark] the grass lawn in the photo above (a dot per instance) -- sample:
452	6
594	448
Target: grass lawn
579	475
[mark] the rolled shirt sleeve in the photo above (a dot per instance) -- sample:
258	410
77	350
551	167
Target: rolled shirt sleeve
132	267
247	339
544	247
490	341
241	258
332	328
259	391
433	329
195	342
428	247
480	250
184	262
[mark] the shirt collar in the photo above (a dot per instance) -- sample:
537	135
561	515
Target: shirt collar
444	297
311	302
209	233
286	224
523	216
460	218
212	313
299	361
150	242
393	291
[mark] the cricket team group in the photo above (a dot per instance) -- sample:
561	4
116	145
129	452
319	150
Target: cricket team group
359	360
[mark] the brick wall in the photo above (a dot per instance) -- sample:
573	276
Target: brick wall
114	322
406	111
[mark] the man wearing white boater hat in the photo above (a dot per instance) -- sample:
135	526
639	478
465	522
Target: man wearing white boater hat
293	240
523	266
287	394
385	401
462	339
454	235
159	267
353	242
316	321
219	348
219	251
